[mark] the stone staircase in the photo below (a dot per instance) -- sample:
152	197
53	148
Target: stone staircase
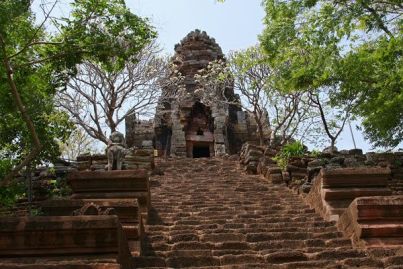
206	213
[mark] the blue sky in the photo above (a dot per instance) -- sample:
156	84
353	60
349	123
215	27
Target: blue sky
234	24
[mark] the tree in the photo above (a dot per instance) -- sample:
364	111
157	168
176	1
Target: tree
99	100
36	63
78	143
353	46
276	114
333	119
283	113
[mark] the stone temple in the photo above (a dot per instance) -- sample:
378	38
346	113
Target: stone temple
187	126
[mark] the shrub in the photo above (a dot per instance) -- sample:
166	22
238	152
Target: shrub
290	150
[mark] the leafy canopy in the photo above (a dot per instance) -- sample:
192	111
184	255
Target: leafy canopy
354	47
42	62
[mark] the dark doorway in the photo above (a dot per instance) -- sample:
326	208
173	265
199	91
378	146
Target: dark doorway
201	152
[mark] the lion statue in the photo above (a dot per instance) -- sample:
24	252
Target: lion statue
116	151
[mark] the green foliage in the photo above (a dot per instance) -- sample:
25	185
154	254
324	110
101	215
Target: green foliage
9	195
36	212
103	31
60	188
290	150
315	153
354	47
100	30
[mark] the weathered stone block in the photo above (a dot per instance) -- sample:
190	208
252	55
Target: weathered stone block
64	236
374	221
356	176
334	189
112	184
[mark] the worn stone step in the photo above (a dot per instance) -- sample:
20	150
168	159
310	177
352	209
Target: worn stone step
391	242
351	193
146	261
338	254
192	245
241	259
196	261
285	256
210	216
223	237
223	252
379	229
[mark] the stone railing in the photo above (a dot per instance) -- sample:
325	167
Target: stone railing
374	221
123	184
335	188
121	197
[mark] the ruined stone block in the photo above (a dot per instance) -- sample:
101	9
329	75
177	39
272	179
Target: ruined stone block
375	221
335	188
83	236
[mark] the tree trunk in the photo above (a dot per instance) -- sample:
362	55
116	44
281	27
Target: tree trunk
37	146
261	133
332	144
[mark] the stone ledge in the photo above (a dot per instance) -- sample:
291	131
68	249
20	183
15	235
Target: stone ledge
374	221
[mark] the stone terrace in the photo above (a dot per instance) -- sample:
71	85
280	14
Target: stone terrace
208	213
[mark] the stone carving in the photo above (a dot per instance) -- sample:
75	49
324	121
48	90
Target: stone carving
116	151
92	209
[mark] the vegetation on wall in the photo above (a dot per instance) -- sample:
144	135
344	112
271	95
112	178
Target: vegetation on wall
288	151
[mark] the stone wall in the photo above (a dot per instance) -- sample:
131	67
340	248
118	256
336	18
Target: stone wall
142	158
138	130
300	171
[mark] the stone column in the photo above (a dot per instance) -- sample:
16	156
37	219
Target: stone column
220	115
178	140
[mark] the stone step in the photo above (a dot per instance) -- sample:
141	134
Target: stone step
351	193
379	229
196	261
223	237
149	262
57	265
338	254
210	216
389	242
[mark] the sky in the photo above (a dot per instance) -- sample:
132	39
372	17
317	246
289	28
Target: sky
235	24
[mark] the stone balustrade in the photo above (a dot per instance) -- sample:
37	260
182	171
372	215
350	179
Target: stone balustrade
335	188
83	241
375	221
123	184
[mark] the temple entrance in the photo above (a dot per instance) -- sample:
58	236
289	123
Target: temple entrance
199	132
201	151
